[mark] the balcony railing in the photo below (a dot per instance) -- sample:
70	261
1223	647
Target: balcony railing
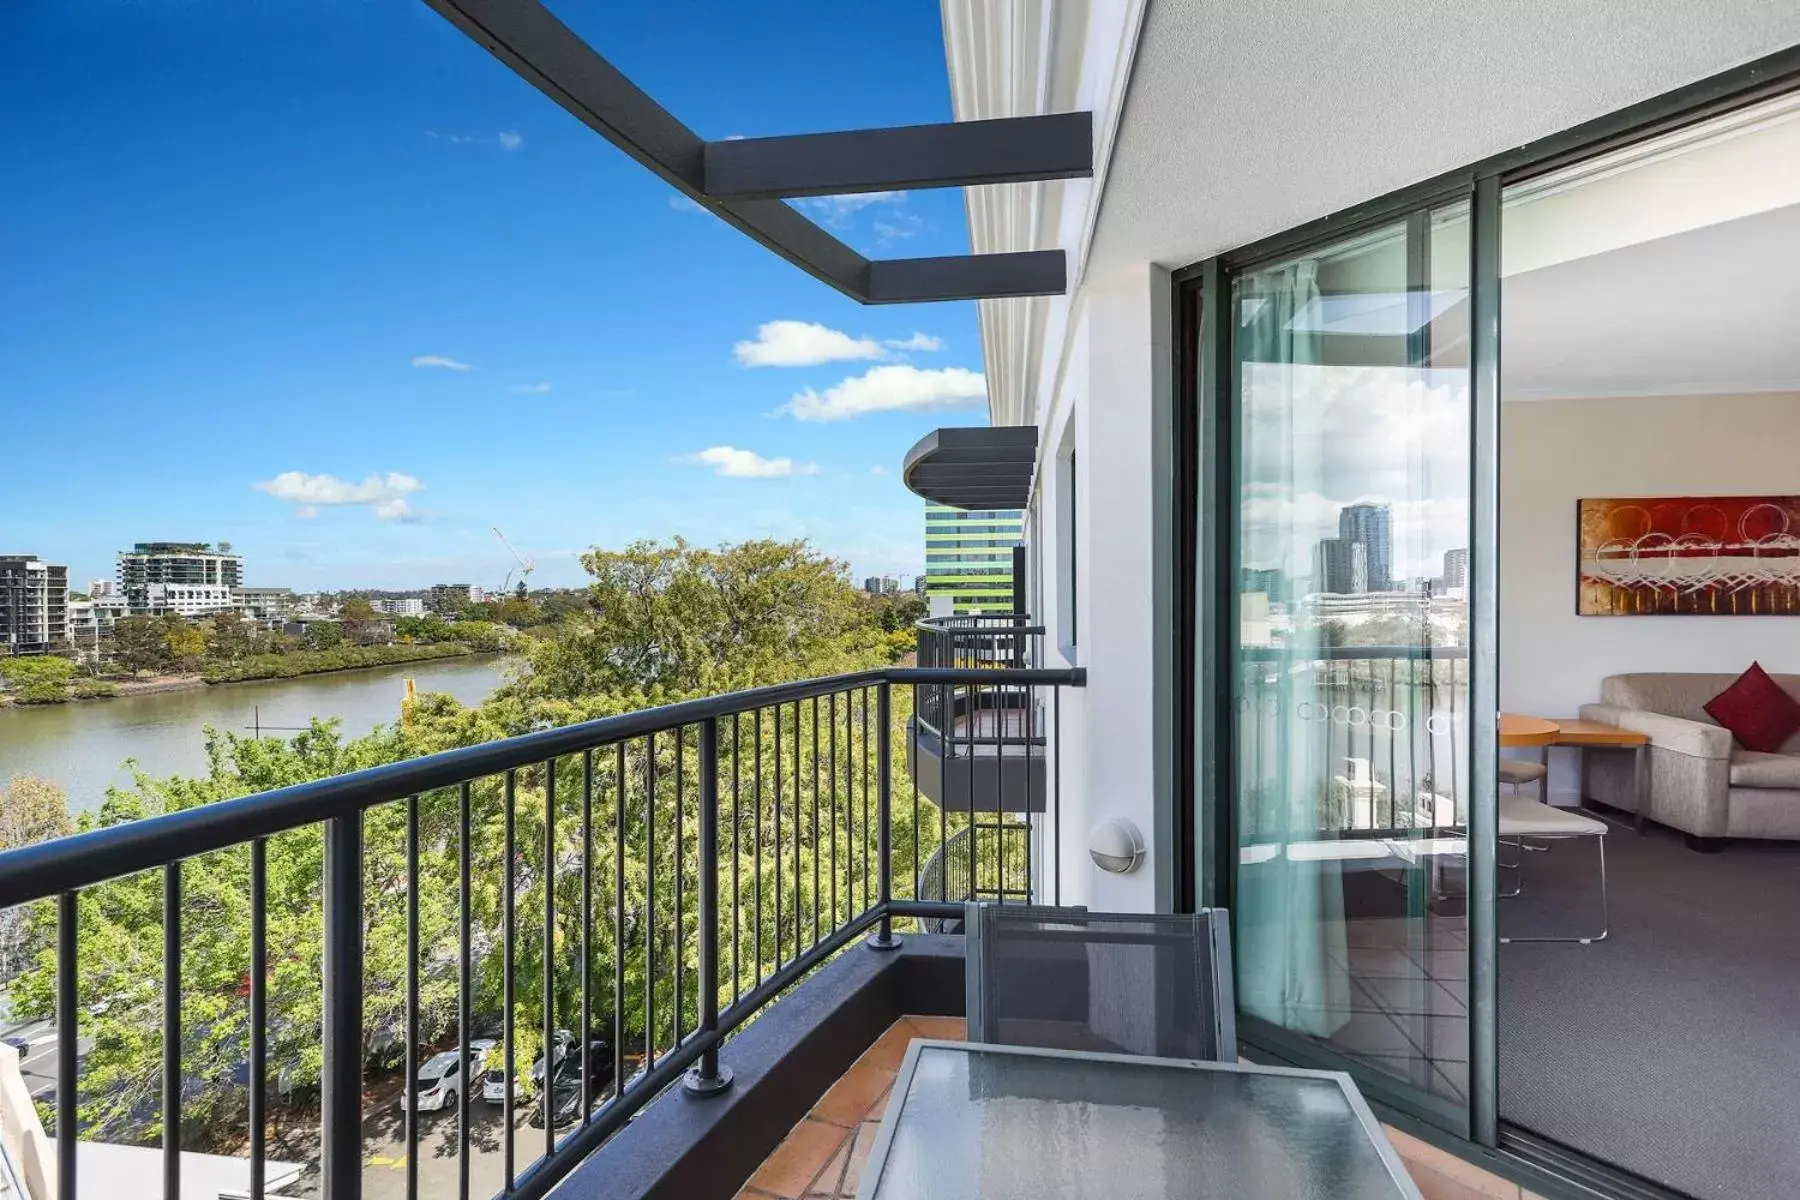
981	745
1380	731
770	828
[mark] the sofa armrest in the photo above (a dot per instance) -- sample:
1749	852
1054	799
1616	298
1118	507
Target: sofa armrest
1692	738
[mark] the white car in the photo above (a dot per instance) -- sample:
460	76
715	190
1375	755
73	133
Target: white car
441	1076
493	1083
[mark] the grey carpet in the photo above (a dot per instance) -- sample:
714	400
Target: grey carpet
1673	1047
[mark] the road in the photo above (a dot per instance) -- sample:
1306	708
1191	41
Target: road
384	1151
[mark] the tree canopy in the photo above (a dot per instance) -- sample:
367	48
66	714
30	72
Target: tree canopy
660	622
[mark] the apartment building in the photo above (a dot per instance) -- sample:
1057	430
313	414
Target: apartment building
400	606
34	604
189	579
448	598
266	603
969	558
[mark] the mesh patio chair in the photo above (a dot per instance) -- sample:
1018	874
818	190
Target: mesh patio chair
1122	983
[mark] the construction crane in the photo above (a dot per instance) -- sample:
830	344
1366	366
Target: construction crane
527	564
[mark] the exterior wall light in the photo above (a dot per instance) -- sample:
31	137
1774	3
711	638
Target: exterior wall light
1115	845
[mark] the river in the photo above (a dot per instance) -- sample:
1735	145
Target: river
83	745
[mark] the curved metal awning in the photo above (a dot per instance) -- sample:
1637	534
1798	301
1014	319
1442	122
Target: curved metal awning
974	467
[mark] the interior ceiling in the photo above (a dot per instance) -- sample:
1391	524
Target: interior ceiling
1243	120
1713	311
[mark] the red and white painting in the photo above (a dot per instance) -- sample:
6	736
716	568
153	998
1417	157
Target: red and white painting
1719	556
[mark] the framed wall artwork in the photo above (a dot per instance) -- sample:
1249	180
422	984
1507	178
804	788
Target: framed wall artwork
1716	556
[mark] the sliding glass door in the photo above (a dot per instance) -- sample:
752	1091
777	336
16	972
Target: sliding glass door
1349	729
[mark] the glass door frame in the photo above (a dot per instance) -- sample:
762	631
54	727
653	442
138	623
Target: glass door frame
1203	308
1206	512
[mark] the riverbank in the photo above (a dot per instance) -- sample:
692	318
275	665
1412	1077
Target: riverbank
259	669
82	747
296	663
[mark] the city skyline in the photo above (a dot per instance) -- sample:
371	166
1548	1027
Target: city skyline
368	299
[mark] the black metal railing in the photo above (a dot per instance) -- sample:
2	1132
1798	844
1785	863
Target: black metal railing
616	837
1379	732
981	712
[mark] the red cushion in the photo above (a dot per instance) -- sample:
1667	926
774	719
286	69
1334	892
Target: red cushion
1759	714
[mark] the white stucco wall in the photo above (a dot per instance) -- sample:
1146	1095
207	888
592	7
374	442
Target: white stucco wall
1108	387
1555	452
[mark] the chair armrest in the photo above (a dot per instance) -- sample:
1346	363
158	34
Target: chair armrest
1695	739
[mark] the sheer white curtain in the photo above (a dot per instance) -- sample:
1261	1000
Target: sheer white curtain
1290	918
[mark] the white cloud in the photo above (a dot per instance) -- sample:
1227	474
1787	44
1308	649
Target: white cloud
878	470
896	226
802	344
510	139
529	389
918	341
681	203
898	388
732	463
386	494
438	360
837	210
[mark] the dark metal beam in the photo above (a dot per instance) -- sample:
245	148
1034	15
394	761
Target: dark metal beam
957	154
544	52
966	277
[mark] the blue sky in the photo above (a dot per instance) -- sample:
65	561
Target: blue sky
326	281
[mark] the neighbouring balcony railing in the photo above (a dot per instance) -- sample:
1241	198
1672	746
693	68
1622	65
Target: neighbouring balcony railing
981	746
1364	741
770	827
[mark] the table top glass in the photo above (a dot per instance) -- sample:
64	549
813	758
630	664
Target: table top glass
973	1122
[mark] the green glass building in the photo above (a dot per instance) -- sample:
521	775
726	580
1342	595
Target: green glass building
968	557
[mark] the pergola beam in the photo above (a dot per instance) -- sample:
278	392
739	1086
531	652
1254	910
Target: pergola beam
544	52
957	154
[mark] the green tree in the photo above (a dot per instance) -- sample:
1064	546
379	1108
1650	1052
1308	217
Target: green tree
361	623
680	619
139	644
230	638
39	679
32	810
323	635
767	611
185	641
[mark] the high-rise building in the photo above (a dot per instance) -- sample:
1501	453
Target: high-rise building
968	557
1341	565
881	585
34	604
1372	525
189	579
1268	581
454	597
401	606
1456	568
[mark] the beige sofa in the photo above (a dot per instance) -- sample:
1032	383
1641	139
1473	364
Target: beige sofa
1701	781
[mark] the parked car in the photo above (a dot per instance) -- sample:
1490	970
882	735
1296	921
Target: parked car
441	1078
564	1095
493	1084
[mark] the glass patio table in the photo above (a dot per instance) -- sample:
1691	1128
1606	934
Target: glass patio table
977	1122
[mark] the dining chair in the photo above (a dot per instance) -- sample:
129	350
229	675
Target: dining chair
1126	983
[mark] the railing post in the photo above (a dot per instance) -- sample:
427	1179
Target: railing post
340	1109
707	1077
884	938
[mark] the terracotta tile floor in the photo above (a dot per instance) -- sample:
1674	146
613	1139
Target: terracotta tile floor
822	1158
824	1155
